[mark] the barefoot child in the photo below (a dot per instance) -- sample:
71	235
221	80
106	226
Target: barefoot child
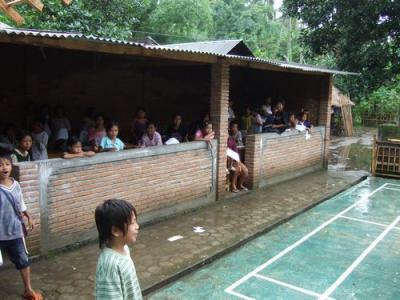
12	211
75	149
116	274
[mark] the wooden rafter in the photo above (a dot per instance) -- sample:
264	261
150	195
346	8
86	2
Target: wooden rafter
8	8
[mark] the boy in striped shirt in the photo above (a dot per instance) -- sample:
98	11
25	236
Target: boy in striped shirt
116	274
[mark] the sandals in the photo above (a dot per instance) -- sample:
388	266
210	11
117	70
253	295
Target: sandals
34	296
243	188
235	191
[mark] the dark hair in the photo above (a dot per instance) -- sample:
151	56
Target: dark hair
233	122
5	154
150	123
61	108
90	112
140	108
40	121
113	212
204	125
21	134
303	113
73	140
110	125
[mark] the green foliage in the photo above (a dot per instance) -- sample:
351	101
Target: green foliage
363	35
383	100
180	20
111	18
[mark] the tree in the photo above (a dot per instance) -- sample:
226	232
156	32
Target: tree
180	20
111	18
363	36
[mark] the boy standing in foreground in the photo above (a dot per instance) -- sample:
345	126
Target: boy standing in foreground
12	210
116	274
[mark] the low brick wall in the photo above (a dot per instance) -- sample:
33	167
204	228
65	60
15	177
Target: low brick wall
273	158
159	181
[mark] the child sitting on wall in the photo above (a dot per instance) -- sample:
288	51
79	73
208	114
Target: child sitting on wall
116	278
239	169
75	149
12	227
111	142
40	140
235	133
22	152
151	137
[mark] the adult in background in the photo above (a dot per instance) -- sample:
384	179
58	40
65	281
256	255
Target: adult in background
280	118
177	130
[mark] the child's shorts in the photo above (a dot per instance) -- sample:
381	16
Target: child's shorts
15	250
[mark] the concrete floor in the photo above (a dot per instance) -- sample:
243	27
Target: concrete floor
227	224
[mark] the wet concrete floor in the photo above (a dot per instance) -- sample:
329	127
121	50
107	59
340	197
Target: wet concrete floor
226	224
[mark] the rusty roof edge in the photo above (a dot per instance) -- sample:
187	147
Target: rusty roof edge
79	36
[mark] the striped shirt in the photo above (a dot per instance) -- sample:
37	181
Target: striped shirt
116	277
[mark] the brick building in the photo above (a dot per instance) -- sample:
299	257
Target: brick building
118	76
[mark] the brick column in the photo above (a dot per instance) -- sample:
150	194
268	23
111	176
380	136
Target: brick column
324	118
253	159
219	118
28	176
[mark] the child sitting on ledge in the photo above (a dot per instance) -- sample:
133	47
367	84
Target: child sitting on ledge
75	149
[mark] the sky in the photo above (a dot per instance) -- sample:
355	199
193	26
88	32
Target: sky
277	6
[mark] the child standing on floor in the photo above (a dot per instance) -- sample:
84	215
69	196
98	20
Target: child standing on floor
12	211
22	152
40	140
116	274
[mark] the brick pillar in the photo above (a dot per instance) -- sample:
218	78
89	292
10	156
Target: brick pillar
219	119
324	118
253	159
28	176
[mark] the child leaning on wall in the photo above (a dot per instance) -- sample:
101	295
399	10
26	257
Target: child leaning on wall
12	227
115	273
75	149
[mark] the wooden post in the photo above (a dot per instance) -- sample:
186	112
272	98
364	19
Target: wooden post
37	4
373	160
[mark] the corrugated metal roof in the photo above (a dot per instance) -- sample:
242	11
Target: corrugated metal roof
218	47
79	36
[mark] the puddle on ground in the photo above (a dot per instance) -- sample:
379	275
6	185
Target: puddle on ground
351	153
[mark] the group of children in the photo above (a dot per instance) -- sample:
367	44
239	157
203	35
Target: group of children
95	135
117	225
273	119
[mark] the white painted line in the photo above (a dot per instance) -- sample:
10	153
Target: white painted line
299	242
359	259
290	286
393	184
239	295
368	222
